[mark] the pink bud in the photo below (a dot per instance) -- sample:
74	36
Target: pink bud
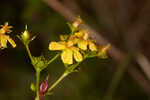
44	87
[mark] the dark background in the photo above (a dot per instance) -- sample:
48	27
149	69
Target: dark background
124	23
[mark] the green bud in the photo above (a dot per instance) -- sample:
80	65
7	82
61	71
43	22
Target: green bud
32	87
25	37
26	34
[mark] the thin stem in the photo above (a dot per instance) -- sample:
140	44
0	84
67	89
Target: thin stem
51	60
68	71
29	53
37	84
58	81
37	73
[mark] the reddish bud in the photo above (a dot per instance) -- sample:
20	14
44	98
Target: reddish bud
43	87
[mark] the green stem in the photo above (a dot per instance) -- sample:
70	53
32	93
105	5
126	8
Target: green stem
37	84
37	73
58	81
51	60
68	71
29	53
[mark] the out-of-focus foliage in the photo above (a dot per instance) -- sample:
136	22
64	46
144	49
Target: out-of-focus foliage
91	83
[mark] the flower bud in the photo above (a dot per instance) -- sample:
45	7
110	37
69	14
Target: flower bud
25	37
32	87
77	22
43	87
103	51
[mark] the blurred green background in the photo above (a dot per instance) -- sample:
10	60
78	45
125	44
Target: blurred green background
113	17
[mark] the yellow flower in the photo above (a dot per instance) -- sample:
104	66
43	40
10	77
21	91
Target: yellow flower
5	28
3	41
83	40
4	38
84	34
68	51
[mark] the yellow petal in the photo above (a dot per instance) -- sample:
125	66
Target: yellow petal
73	38
105	48
3	41
56	46
70	43
63	37
77	55
86	35
79	34
5	28
66	56
82	44
11	41
2	31
92	46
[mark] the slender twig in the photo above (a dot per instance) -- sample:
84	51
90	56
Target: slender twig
68	71
58	81
55	57
29	52
37	72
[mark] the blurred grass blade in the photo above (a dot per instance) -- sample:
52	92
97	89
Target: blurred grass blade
116	78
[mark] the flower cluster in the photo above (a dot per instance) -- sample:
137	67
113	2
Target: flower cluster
77	45
4	38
